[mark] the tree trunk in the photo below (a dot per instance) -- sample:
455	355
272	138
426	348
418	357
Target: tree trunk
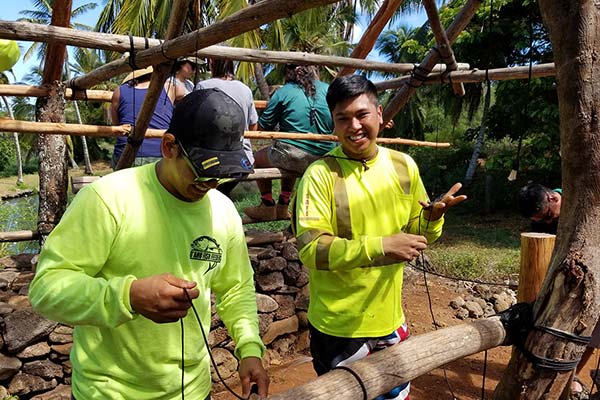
86	153
52	148
480	138
570	296
52	163
261	82
17	145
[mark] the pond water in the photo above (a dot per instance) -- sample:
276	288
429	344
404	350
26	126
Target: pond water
15	215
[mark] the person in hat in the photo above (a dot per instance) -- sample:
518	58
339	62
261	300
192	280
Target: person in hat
185	69
150	242
298	106
126	104
223	78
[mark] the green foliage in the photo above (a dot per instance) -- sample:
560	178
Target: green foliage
18	214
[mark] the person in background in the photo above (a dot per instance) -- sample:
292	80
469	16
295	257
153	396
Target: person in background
298	106
223	78
361	212
185	69
541	205
152	242
125	106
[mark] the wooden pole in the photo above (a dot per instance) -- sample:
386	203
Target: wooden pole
122	130
536	252
386	369
120	43
19	236
443	45
160	74
474	75
242	21
87	94
370	35
405	93
52	166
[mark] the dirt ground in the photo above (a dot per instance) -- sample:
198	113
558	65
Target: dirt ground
464	375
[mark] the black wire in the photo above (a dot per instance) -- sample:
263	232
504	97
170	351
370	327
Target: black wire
357	377
485	354
435	325
182	358
212	359
454	278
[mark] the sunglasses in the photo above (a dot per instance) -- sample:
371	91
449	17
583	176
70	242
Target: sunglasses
202	180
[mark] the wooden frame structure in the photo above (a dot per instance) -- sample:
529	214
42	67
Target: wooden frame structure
202	43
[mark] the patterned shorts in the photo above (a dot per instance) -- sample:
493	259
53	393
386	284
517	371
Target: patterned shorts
329	352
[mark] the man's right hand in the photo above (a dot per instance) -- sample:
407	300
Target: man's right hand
403	246
161	298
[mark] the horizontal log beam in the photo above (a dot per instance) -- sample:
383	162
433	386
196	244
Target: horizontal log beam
120	43
8	125
19	236
475	75
86	94
401	363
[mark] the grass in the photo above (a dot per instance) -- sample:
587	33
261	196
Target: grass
478	247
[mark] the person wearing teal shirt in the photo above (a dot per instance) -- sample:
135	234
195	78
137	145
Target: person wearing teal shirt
361	213
138	247
298	106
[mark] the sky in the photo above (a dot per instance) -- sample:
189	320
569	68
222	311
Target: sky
11	8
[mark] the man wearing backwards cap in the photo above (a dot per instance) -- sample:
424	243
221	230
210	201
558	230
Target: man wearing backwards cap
129	247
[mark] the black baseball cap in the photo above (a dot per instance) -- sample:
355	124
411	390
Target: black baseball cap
210	126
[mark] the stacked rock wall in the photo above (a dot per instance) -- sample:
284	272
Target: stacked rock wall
34	352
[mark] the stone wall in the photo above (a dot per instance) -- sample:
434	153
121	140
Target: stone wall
34	352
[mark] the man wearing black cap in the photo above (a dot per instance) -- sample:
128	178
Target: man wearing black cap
136	248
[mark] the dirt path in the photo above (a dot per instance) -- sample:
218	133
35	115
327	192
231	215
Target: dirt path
464	375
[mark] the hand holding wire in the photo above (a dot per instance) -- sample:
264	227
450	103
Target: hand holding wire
403	246
435	209
160	298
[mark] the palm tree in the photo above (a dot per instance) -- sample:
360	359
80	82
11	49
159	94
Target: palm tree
42	14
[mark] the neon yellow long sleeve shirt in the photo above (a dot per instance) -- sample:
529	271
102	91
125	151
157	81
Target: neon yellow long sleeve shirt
343	210
127	226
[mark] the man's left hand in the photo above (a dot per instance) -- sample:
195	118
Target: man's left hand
251	370
435	211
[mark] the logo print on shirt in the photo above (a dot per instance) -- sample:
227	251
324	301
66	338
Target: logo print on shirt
206	249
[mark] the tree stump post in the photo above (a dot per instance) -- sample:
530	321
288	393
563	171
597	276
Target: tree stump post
536	251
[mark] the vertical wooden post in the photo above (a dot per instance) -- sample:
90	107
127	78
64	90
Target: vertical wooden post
536	251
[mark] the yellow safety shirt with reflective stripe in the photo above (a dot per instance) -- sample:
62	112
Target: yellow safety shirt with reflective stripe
343	210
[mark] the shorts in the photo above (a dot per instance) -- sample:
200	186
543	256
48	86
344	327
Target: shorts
287	156
329	352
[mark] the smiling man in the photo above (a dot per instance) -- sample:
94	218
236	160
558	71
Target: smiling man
359	217
137	247
541	205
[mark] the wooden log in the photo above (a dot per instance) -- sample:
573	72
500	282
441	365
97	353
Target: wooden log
242	21
386	369
120	43
19	236
475	75
52	165
536	252
261	238
78	182
405	92
121	130
87	94
443	45
159	75
370	35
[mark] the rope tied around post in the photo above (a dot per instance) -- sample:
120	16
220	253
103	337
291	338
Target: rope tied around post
518	322
357	377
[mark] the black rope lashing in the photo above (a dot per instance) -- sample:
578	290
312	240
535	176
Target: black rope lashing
75	88
419	74
131	59
518	323
146	43
162	50
357	377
